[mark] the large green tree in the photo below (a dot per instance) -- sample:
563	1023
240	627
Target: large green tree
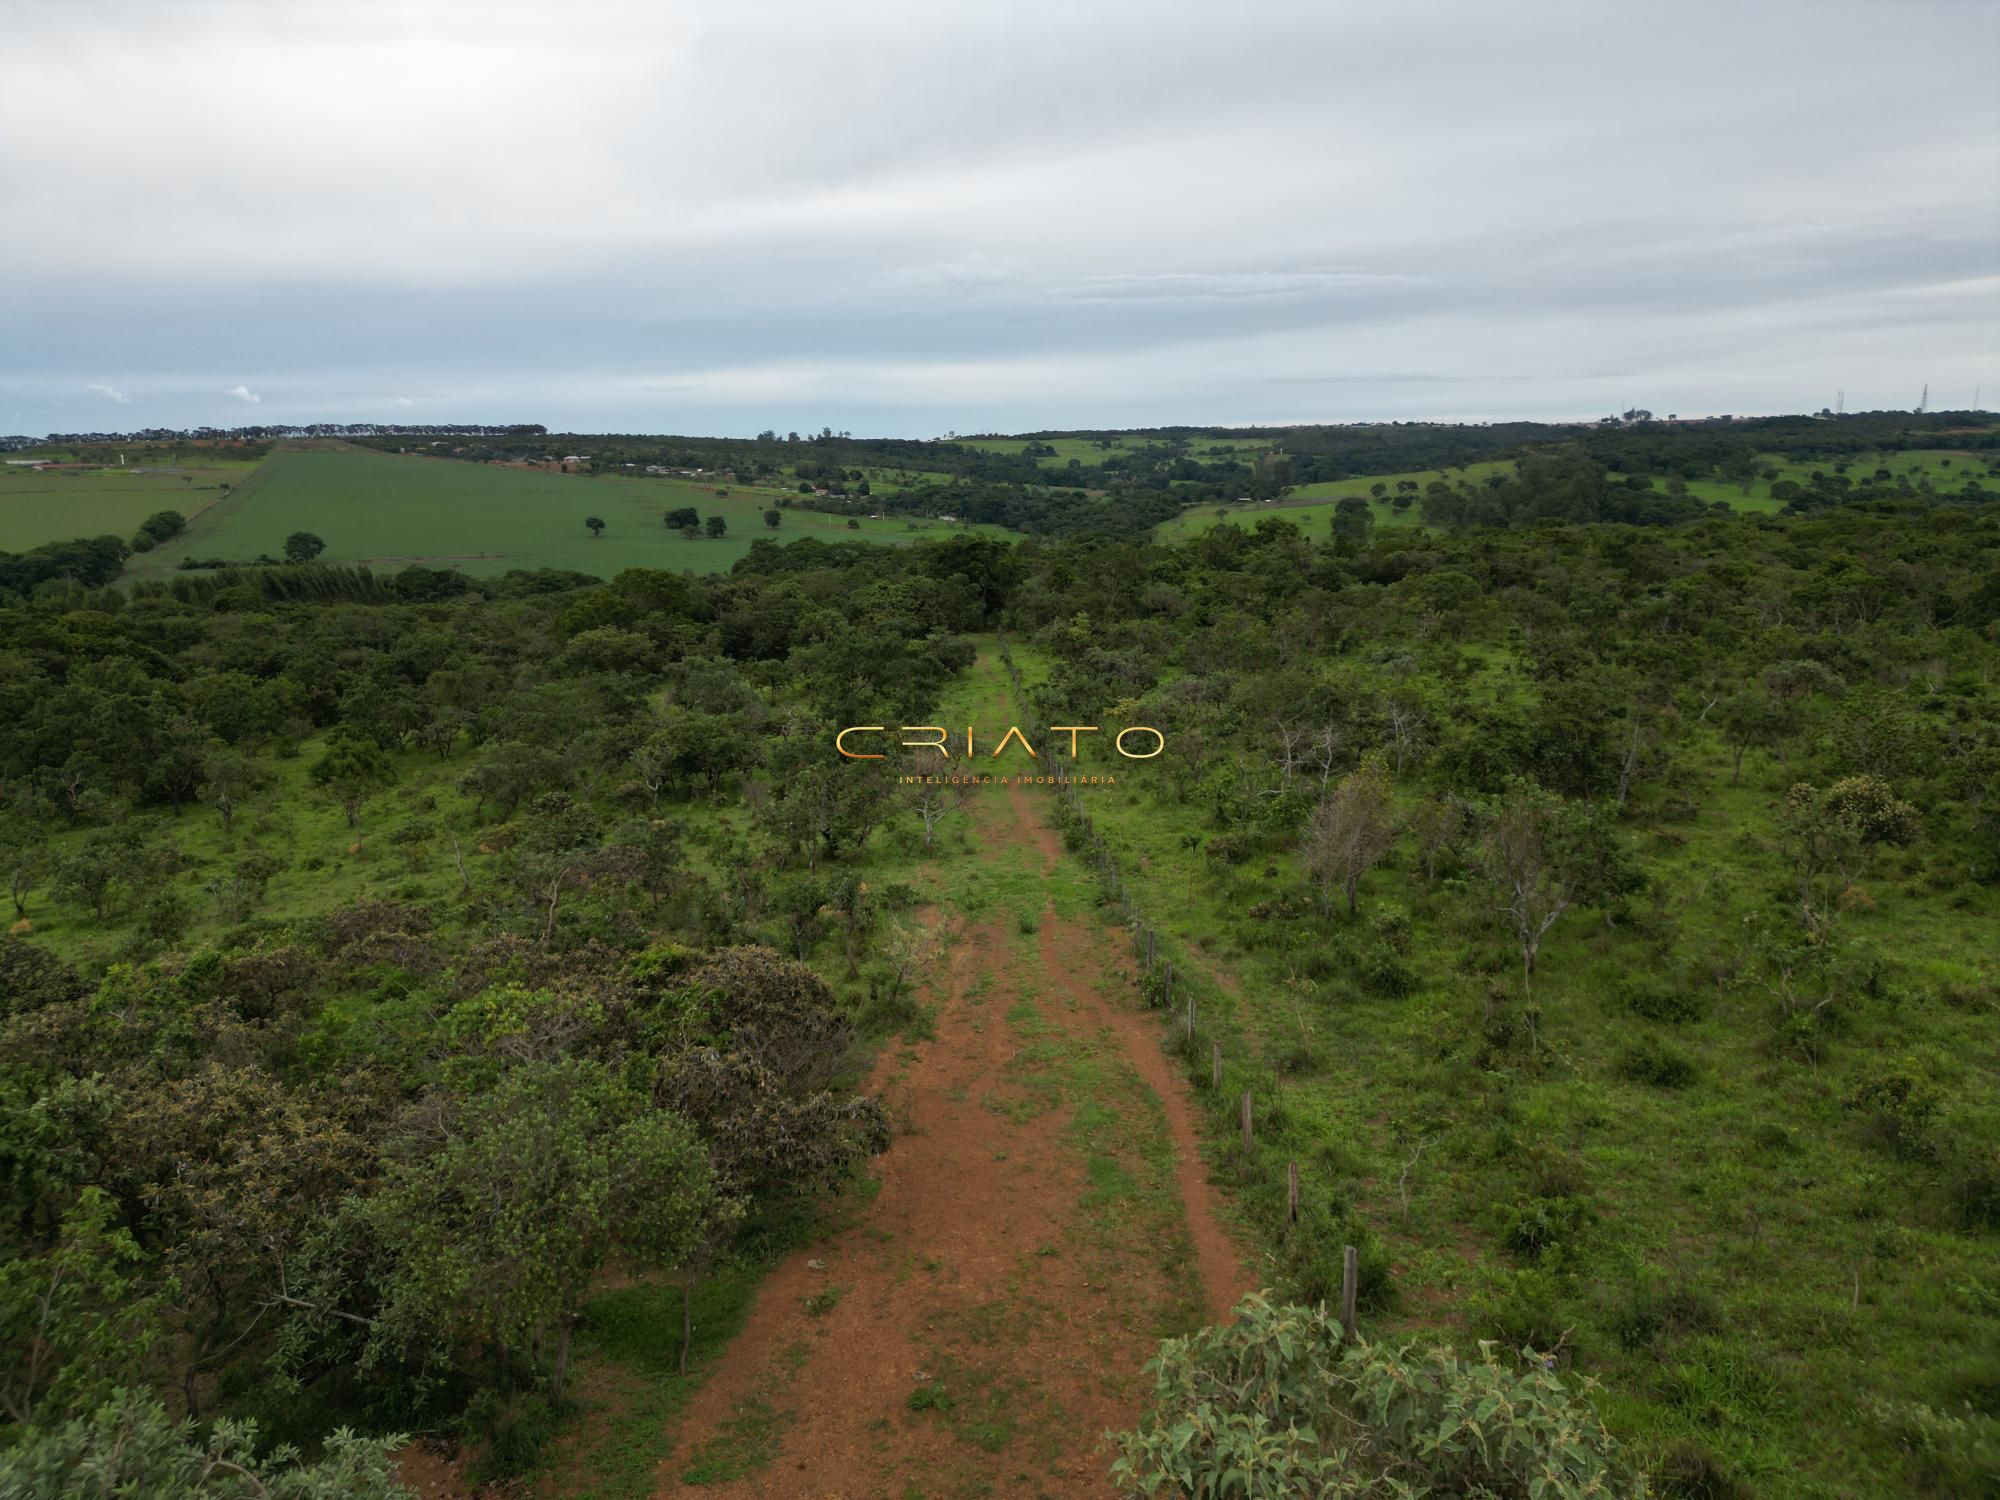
499	1232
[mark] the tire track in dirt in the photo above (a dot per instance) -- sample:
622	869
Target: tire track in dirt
1069	953
979	1275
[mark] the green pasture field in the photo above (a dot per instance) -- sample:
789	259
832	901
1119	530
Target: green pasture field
1089	453
1945	468
391	510
889	481
1310	507
60	505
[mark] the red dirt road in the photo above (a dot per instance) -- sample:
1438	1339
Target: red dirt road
990	1316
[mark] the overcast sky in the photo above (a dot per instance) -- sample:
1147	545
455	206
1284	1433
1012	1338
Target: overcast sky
903	219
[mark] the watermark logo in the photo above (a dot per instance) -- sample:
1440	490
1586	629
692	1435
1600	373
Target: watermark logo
1136	742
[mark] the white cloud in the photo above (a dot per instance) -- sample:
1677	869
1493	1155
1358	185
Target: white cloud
108	393
243	393
970	270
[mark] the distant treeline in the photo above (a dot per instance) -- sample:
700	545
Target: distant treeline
268	432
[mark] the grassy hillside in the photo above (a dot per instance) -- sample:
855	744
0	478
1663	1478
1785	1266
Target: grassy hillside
1090	452
1310	507
389	510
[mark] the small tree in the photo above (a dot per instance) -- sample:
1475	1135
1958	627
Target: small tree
73	1318
682	518
228	778
715	526
1349	832
772	518
934	795
1752	720
303	546
1831	833
96	870
350	771
1525	855
24	857
1352	520
596	525
503	1228
769	1039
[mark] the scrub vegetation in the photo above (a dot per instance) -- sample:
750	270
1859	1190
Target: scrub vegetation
472	999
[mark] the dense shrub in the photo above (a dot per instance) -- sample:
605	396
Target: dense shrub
1279	1404
1653	1061
130	1447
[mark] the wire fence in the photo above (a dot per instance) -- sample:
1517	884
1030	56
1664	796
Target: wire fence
1188	994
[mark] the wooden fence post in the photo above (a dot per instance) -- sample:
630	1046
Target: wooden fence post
1349	1284
1291	1192
1246	1122
1190	1015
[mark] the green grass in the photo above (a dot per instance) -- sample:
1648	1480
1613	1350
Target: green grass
1310	507
895	481
60	505
1087	452
390	510
1754	1266
627	1352
1945	469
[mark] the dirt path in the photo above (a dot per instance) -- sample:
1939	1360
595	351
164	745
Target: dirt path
1070	956
1043	1221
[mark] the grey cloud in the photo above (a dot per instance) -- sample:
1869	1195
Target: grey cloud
903	218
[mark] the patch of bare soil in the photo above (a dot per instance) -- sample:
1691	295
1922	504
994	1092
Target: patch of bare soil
429	1474
1073	958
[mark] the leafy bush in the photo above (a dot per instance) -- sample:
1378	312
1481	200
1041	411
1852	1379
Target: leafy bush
1899	1105
1521	1308
1386	972
1228	849
1973	1185
1538	1228
1670	1003
1653	1061
1277	1404
130	1446
507	1431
